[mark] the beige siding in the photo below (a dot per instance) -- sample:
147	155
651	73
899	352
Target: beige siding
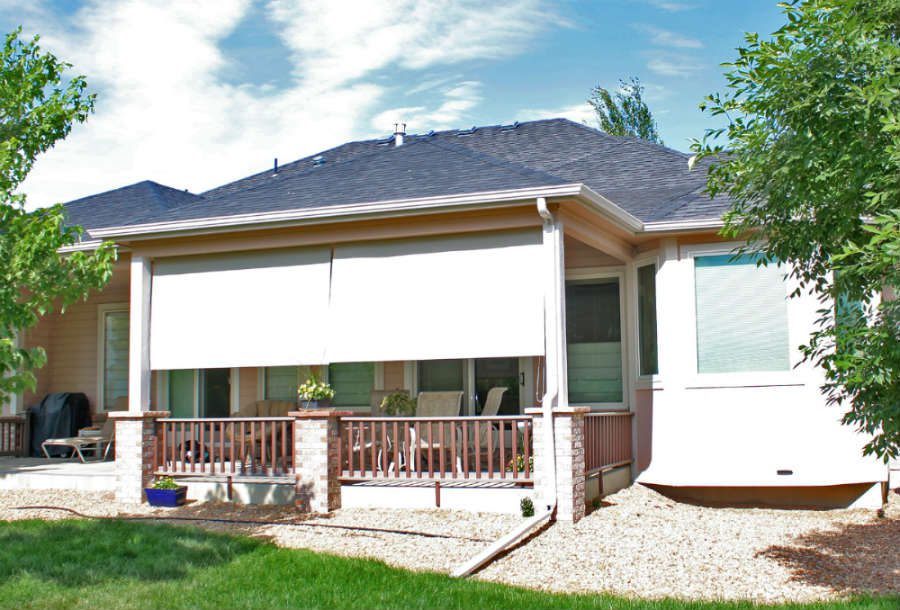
249	380
393	375
70	339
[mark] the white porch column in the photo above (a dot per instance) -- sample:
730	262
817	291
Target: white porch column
139	336
557	392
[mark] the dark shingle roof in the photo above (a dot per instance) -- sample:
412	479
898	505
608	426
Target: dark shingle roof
649	181
134	204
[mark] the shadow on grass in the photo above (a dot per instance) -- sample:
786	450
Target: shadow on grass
76	553
856	558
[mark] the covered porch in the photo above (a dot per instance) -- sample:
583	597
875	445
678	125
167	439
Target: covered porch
209	335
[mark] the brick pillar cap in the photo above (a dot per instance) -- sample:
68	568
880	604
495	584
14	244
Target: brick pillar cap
319	414
126	415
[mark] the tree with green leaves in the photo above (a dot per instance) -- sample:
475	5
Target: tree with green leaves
39	103
625	113
810	155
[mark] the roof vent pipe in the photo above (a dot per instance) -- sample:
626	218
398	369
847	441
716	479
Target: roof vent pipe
399	133
275	169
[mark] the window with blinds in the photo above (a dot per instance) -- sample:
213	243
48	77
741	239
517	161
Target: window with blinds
742	322
352	383
281	382
594	341
115	357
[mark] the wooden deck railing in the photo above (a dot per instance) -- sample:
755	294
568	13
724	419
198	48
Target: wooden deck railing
234	446
437	448
13	436
607	441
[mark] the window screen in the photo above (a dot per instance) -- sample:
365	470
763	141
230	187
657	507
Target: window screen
440	375
741	316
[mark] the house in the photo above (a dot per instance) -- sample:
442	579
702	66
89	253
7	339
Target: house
573	268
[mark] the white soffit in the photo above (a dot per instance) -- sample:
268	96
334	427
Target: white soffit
243	309
449	297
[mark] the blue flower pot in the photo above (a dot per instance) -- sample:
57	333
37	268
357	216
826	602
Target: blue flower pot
166	497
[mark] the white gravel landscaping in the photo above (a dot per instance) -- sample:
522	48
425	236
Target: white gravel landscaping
639	543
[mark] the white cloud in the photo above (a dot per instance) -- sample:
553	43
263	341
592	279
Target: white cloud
681	66
580	113
167	113
668	38
457	101
672	7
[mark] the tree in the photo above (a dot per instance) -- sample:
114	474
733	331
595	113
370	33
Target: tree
810	155
625	113
38	106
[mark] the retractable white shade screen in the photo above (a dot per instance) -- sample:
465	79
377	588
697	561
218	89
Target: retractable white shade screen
246	309
472	296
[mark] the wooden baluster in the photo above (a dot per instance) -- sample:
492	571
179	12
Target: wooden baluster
503	450
284	448
384	449
490	449
526	441
442	448
477	448
165	437
273	446
396	443
181	452
407	449
252	447
514	425
243	440
465	448
418	450
453	454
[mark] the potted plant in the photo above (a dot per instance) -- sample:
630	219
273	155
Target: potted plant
312	391
166	492
398	404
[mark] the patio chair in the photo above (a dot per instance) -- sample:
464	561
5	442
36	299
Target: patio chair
491	408
97	443
438	404
262	408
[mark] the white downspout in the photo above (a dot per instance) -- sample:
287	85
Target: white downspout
553	326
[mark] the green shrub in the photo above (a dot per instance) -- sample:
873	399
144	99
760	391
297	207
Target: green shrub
165	483
527	507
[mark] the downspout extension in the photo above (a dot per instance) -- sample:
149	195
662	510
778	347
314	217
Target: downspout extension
551	305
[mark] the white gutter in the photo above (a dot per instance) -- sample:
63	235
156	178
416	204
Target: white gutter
82	246
331	213
682	225
613	212
551	330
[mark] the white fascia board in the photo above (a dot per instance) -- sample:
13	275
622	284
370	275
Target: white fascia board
343	212
82	246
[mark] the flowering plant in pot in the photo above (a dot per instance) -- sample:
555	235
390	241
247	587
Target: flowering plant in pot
312	391
166	492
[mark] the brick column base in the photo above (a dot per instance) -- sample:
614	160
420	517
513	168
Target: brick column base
568	436
135	437
316	437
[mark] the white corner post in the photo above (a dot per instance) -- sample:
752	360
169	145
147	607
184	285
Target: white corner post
135	428
139	336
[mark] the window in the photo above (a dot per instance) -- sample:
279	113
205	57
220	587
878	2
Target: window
352	383
181	392
741	315
281	382
441	375
114	357
215	392
647	350
594	337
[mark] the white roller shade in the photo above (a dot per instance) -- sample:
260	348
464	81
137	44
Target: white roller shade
473	296
247	309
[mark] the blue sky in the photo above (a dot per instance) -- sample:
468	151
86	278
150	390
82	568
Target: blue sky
196	93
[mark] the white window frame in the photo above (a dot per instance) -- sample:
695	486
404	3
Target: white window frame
626	324
796	336
102	310
641	382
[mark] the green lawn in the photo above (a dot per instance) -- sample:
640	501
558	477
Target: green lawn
104	565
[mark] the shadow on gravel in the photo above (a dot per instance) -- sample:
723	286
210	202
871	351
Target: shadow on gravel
857	558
